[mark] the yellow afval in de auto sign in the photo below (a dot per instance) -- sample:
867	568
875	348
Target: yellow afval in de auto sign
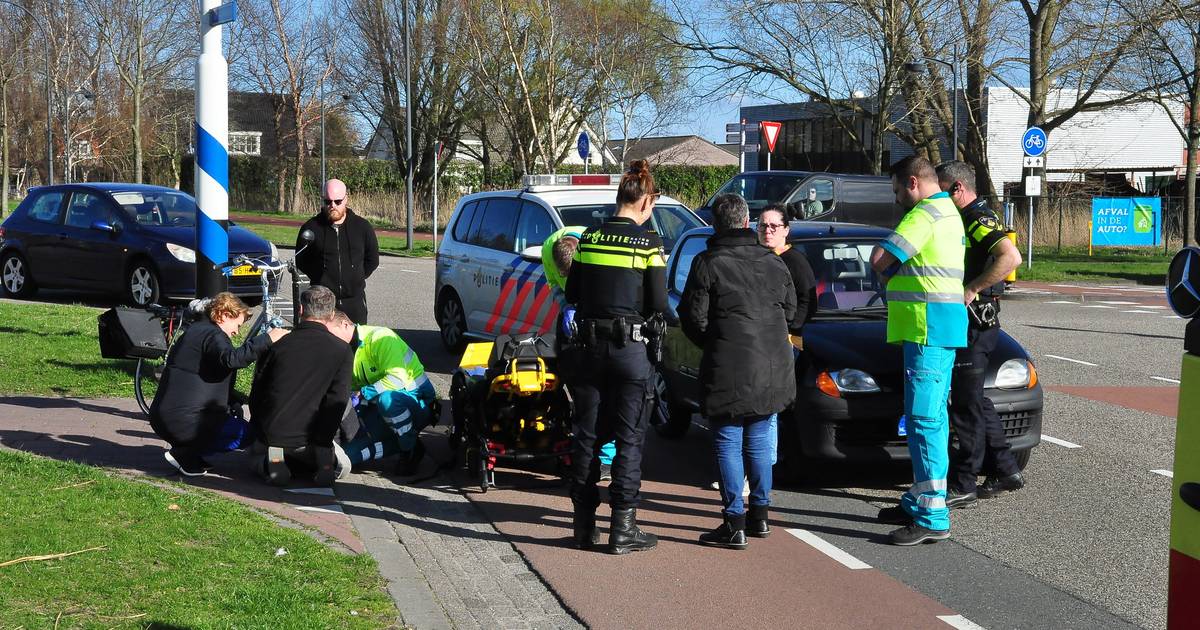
1183	593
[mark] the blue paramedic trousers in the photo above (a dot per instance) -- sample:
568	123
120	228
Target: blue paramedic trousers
390	424
927	371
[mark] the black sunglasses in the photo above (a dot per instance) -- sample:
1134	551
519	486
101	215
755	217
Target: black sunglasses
333	202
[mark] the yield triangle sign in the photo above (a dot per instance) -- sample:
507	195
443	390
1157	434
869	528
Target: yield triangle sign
770	133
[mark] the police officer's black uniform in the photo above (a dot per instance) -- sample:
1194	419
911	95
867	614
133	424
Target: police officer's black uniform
617	281
981	441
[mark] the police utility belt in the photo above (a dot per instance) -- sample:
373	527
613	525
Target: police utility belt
617	330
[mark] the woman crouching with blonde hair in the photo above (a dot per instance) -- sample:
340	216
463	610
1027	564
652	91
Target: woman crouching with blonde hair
191	408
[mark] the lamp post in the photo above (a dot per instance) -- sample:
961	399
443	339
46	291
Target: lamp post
918	67
86	95
49	137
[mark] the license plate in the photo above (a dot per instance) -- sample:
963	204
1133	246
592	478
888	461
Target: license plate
245	270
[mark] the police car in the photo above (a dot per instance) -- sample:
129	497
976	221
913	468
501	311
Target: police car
489	278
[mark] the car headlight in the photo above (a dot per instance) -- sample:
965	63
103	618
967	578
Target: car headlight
854	382
1013	374
274	251
181	253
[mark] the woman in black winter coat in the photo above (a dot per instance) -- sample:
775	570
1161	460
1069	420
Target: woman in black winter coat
192	402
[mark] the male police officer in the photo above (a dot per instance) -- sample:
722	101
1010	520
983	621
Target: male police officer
924	258
990	258
617	281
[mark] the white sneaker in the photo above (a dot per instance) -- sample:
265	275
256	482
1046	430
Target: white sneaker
716	485
342	470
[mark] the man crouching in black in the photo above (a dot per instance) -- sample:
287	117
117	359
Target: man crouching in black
300	393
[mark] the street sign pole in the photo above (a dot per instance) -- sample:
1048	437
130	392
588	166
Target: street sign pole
212	150
1034	143
742	147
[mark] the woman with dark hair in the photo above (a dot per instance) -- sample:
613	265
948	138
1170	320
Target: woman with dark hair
617	282
191	408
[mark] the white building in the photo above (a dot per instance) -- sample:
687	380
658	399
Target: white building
1137	140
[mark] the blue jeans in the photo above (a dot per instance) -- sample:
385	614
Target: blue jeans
743	441
927	371
773	437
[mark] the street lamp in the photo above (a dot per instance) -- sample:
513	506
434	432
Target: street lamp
918	67
49	137
88	96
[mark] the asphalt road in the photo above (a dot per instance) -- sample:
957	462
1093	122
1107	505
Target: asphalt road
1084	545
1088	536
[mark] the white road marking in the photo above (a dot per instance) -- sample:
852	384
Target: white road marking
820	544
1115	302
1165	473
1171	317
1069	286
328	509
325	492
1165	379
1055	356
1141	312
1151	306
960	622
408	270
1061	302
1062	443
1096	306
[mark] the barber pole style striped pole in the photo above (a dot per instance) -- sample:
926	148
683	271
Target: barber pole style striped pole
212	155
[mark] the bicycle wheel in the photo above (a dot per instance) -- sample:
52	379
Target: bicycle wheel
146	377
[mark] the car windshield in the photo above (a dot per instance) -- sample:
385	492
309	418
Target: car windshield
668	220
845	280
760	189
155	207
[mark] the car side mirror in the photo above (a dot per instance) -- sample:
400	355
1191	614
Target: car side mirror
532	254
105	226
307	236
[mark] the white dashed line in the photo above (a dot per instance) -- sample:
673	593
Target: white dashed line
820	544
1141	312
960	622
1165	473
1062	443
1061	302
1151	306
1055	356
1165	379
408	270
1096	306
1116	302
1069	286
328	509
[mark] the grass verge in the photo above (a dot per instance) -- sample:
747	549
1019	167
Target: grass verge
1139	265
186	559
52	350
285	236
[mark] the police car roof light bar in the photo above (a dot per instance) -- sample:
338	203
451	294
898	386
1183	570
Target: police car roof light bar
529	181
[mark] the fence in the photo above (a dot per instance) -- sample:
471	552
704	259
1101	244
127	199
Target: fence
1063	221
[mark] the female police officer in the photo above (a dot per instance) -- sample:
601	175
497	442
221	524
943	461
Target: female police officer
617	281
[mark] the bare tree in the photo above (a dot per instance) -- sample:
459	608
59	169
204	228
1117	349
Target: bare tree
141	38
1169	45
75	52
533	62
281	51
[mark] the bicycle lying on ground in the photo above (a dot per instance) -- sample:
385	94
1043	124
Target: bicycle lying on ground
175	319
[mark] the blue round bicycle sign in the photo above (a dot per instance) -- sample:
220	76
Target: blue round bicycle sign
1034	141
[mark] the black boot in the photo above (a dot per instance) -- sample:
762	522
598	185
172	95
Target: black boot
625	535
756	522
731	534
586	534
408	464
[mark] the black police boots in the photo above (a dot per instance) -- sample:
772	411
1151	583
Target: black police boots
586	534
731	534
756	522
625	535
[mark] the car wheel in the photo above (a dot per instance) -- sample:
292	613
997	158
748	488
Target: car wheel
679	420
452	323
141	285
15	277
1022	458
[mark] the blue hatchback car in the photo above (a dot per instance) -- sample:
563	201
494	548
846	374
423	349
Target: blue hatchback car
130	240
